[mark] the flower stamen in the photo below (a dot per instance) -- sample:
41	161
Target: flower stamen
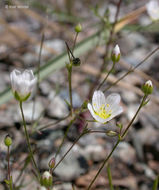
103	113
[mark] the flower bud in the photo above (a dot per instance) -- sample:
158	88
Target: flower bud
76	62
111	133
46	179
78	28
52	163
147	88
22	84
8	141
116	54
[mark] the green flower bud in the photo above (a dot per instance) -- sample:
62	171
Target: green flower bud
52	163
8	140
46	179
147	88
111	133
78	28
116	54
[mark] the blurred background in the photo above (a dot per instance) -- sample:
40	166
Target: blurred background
24	25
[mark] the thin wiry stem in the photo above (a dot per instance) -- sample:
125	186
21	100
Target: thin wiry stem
9	172
38	72
65	135
28	141
75	40
100	85
83	133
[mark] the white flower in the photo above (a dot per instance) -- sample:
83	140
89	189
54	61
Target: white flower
104	109
153	9
22	83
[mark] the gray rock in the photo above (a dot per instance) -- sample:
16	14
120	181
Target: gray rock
125	152
73	165
64	186
76	100
137	55
29	114
7	116
128	45
131	112
30	58
129	96
94	153
56	45
45	87
57	107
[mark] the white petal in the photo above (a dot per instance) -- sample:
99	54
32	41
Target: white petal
116	50
28	75
115	112
96	117
32	84
98	99
113	99
14	77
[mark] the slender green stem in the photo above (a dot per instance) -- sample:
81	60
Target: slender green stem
38	73
110	177
65	135
129	125
27	139
105	161
74	43
68	150
119	139
110	71
9	175
70	89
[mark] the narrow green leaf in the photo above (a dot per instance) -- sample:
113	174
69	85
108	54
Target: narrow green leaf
109	177
155	185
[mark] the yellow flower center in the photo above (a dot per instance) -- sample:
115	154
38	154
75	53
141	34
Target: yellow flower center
103	113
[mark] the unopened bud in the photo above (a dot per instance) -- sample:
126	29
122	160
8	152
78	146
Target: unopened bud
46	179
111	133
147	88
76	62
116	54
78	28
52	163
8	140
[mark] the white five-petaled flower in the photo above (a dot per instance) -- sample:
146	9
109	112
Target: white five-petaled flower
22	83
104	109
153	9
